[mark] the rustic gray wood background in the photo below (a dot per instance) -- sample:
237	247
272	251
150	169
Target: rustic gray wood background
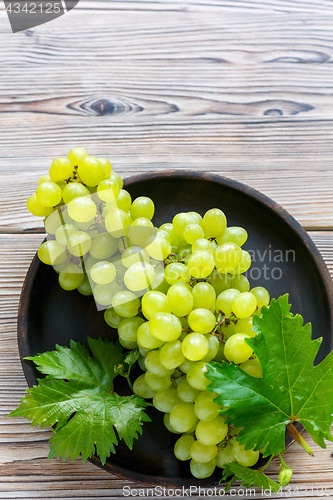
238	87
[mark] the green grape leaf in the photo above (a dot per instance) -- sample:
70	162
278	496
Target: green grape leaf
292	388
249	477
77	396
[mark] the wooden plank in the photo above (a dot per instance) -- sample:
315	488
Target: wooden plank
25	472
243	92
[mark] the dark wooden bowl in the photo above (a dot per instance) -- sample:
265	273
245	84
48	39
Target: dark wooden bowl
48	315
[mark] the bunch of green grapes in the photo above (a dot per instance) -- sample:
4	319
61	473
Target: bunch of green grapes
94	230
201	311
176	293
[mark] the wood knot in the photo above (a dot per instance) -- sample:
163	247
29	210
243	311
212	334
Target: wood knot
103	107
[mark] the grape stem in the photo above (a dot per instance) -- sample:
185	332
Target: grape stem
293	432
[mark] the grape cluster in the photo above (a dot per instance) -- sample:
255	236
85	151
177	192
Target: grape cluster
176	293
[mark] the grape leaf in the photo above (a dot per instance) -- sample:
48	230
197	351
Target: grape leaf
78	396
249	477
292	388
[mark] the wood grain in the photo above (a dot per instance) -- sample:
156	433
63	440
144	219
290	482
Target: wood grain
242	91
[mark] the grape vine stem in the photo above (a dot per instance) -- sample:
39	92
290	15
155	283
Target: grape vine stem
293	432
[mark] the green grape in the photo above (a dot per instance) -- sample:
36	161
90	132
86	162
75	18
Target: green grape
71	277
103	246
240	282
82	209
185	253
245	326
201	453
108	190
201	320
166	400
48	194
139	276
176	240
126	304
76	154
186	365
85	288
195	346
59	267
153	364
225	455
182	417
214	223
63	233
182	447
220	354
142	207
244	264
141	388
180	299
74	190
145	338
236	349
219	282
226	257
228	330
43	179
116	177
244	305
103	272
212	431
124	200
61	169
201	264
205	408
128	344
186	392
165	326
262	296
200	470
171	355
53	221
128	327
246	458
103	294
112	318
180	221
154	302
117	222
233	234
134	255
157	383
140	230
202	244
79	243
158	247
166	421
61	184
141	359
192	232
252	367
91	171
197	217
106	165
159	284
177	273
51	252
225	301
213	347
196	375
204	296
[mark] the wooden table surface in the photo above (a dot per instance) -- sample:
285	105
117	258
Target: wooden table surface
238	87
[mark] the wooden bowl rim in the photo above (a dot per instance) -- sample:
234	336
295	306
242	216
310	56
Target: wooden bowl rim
22	331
